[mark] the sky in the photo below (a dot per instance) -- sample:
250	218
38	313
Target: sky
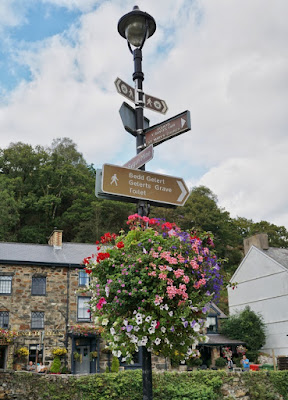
226	61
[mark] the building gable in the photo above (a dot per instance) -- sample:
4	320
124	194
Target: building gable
256	264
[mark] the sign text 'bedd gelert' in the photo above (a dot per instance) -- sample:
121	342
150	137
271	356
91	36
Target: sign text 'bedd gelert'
143	185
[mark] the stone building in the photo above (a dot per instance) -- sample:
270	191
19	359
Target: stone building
42	303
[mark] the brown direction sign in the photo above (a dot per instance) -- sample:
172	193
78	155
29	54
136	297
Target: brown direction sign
125	89
155	104
142	158
143	185
151	102
166	130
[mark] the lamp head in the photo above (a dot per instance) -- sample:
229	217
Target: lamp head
136	27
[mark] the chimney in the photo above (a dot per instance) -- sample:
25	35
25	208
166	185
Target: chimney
260	241
55	239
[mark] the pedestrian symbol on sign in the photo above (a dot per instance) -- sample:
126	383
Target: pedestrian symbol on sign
114	179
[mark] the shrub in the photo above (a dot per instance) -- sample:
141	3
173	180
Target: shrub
56	365
115	365
220	362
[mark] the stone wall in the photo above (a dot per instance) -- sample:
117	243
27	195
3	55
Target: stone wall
17	386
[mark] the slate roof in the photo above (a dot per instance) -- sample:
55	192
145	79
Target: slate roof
71	254
279	255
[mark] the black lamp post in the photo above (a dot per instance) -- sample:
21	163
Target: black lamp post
136	27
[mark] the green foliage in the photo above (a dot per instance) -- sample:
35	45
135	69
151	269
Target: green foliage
115	364
198	385
246	326
56	365
220	362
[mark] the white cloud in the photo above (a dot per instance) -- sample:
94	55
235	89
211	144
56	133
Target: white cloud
226	62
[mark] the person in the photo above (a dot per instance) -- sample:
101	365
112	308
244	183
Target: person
41	368
30	366
230	364
245	363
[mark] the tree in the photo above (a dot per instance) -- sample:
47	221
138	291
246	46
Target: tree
246	326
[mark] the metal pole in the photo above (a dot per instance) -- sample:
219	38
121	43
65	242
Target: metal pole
143	206
138	77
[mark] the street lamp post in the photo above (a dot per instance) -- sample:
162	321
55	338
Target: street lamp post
136	27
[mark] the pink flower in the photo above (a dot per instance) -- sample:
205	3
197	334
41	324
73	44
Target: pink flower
186	279
162	276
101	302
179	272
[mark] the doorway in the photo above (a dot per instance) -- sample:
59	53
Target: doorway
82	366
3	351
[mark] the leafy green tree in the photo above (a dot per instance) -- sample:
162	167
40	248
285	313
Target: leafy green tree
246	326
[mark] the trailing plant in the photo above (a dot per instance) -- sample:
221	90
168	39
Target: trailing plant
7	335
59	351
85	330
151	288
22	352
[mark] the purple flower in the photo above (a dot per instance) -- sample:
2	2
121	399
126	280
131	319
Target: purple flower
129	328
172	329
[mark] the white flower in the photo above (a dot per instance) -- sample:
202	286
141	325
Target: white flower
107	290
116	339
163	329
112	331
123	359
166	307
136	328
170	313
166	340
151	330
196	327
116	353
138	321
162	307
157	341
148	319
138	316
182	361
125	322
154	323
105	321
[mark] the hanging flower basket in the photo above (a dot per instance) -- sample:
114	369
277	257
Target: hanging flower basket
77	356
151	288
59	351
93	355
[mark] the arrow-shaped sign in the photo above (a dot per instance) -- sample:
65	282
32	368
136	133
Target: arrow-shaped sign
172	127
142	158
143	185
150	102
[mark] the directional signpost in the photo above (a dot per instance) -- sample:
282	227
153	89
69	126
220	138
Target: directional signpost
142	158
151	102
166	130
143	185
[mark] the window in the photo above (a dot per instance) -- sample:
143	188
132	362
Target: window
84	278
35	353
212	324
39	286
4	319
37	320
5	284
83	311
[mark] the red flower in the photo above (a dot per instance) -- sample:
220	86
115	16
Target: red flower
101	302
120	245
102	256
